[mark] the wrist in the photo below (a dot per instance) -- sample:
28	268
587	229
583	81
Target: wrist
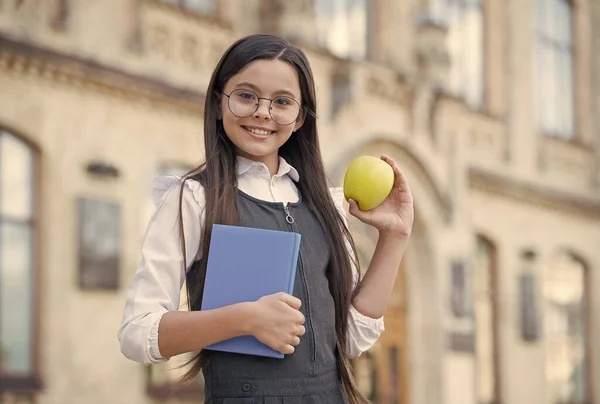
394	236
244	317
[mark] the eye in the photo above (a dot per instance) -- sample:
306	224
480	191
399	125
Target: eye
246	96
283	101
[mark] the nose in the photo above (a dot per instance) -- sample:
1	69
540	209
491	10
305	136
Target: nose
262	112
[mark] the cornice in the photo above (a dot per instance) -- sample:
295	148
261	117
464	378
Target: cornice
535	194
91	75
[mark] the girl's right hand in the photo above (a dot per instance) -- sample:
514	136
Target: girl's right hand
278	322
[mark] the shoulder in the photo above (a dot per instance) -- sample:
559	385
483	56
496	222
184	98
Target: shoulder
168	186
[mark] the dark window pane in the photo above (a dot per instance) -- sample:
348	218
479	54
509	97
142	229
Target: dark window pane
16	298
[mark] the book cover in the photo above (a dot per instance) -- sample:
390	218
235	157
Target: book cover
245	264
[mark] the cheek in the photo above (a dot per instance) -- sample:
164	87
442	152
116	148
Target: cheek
229	120
285	131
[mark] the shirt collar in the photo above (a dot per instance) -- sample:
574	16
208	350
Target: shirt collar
245	164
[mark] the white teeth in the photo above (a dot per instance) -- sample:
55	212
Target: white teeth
259	131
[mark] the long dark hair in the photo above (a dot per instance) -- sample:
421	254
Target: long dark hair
218	177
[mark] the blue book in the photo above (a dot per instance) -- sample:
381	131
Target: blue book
245	264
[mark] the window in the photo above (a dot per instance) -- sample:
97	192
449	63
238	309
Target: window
342	27
18	235
202	6
553	66
484	298
565	328
464	21
465	46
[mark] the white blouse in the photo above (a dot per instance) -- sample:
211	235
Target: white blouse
156	285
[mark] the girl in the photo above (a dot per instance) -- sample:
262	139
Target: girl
264	169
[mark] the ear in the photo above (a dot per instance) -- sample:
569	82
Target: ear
300	121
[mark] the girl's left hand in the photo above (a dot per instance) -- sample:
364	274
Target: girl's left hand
395	215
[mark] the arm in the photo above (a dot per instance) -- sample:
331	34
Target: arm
378	283
181	331
393	219
153	329
155	287
363	331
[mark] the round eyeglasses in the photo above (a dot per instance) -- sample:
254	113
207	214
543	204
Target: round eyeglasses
243	103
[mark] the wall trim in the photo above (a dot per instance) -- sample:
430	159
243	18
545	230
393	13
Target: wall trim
87	73
533	193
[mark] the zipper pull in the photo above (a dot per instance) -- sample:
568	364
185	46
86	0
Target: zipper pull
288	217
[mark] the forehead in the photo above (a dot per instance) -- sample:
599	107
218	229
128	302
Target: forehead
269	76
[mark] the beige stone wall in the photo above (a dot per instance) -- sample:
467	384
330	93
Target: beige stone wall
514	224
547	199
81	361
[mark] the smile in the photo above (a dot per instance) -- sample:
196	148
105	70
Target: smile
259	132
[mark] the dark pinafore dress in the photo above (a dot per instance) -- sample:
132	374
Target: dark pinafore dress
309	375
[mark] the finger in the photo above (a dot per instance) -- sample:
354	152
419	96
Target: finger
290	300
301	331
294	340
400	180
287	350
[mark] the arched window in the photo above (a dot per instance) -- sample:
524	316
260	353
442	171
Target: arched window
18	259
566	329
484	299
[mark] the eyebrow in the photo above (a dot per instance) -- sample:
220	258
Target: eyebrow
256	89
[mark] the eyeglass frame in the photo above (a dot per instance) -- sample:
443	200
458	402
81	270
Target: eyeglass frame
258	105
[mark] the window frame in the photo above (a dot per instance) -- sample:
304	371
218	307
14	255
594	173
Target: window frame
31	382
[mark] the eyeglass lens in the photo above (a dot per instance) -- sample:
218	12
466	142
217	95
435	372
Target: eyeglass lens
283	110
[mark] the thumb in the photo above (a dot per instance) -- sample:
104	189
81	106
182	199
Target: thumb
355	210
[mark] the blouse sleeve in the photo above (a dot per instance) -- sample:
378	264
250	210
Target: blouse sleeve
363	331
156	285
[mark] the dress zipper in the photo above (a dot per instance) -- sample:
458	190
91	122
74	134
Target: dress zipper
290	219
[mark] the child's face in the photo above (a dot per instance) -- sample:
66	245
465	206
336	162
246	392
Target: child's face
260	135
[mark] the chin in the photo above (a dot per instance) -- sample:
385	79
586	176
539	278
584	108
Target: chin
257	153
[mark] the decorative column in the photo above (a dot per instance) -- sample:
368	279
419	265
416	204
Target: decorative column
133	19
59	12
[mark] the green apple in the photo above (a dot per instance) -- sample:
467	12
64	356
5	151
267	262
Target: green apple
368	181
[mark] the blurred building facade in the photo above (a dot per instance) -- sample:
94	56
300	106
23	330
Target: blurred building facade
491	107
